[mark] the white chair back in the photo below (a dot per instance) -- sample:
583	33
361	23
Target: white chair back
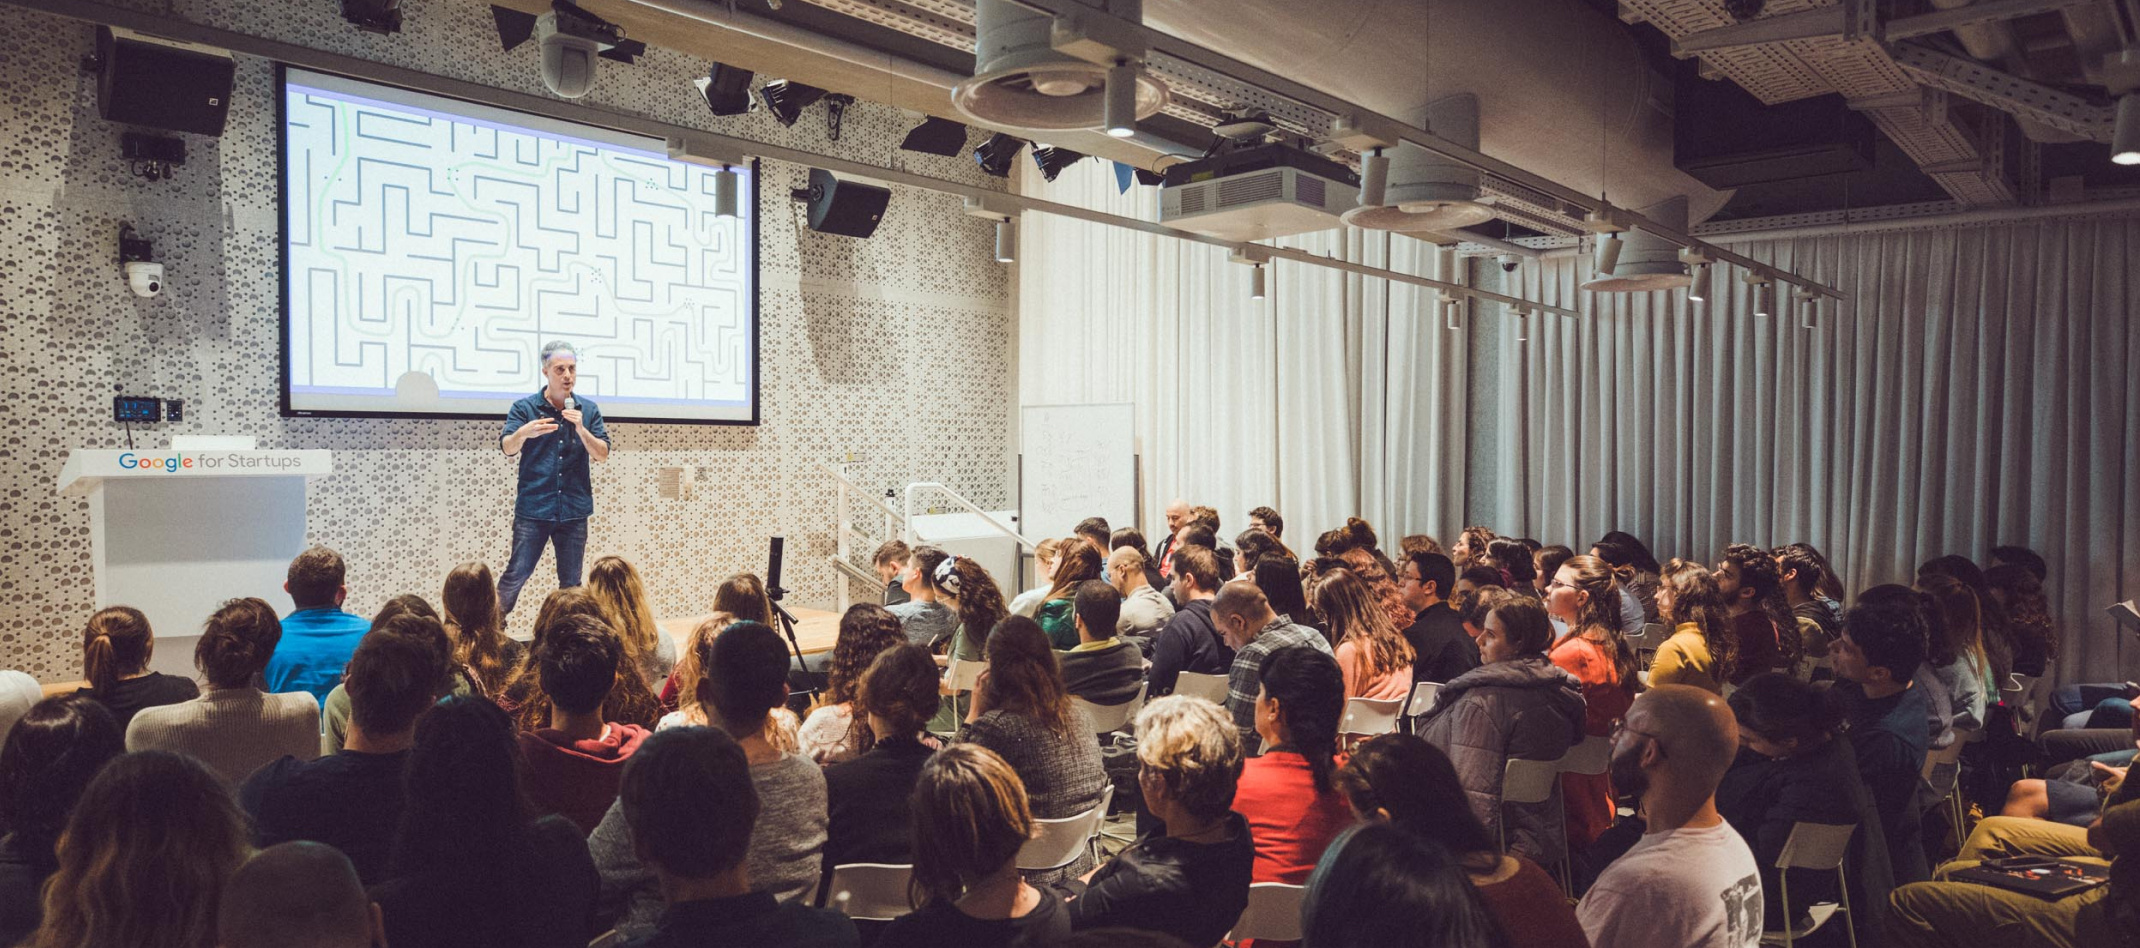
963	675
1592	755
1815	846
1370	716
1059	841
1273	912
1211	688
1421	698
1529	781
1109	718
608	939
870	890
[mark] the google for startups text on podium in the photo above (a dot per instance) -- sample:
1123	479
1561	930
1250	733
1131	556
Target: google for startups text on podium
175	532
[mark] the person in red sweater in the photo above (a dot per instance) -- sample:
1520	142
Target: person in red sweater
1288	795
575	764
1409	783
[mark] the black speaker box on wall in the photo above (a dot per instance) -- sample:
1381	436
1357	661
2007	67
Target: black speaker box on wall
159	83
847	208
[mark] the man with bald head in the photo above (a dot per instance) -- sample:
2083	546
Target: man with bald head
1178	512
1144	610
1691	880
298	895
1243	617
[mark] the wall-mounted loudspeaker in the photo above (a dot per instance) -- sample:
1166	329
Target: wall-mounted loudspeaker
847	208
159	83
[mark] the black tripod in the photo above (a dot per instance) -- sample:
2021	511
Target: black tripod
803	684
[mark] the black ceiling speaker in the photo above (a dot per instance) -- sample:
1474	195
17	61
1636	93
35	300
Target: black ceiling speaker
159	83
846	208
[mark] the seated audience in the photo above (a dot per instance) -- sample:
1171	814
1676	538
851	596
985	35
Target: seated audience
2034	637
691	803
1133	539
1177	513
50	756
1802	570
1470	550
1251	546
1514	560
1440	649
741	597
630	701
1096	534
1189	643
1404	781
1102	668
234	727
866	798
927	622
1944	913
1517	706
1585	595
1624	551
573	766
1287	795
1268	521
1703	650
1373	654
1956	668
1796	767
1691	880
1470	585
890	561
1046	554
1882	646
460	681
1075	564
1354	547
144	857
1023	714
615	584
1753	594
834	732
1391	888
318	636
352	799
1191	881
469	604
1145	610
970	819
745	681
1279	578
1549	559
971	593
18	691
298	895
116	645
1246	621
472	865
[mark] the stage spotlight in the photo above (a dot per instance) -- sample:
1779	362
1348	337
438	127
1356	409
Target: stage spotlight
2125	132
1255	282
1608	253
1006	241
935	136
1695	293
1119	110
726	90
1374	178
1052	160
996	154
1763	299
724	192
786	98
373	16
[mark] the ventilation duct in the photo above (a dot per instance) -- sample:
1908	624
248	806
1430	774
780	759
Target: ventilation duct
1648	262
1424	191
1022	82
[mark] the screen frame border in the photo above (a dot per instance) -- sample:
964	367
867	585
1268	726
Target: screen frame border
282	263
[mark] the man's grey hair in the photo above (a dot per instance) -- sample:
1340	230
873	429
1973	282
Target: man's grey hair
558	347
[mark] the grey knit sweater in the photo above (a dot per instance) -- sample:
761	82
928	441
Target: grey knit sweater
235	731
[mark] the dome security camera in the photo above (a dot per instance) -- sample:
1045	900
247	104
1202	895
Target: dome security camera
1509	262
145	278
568	56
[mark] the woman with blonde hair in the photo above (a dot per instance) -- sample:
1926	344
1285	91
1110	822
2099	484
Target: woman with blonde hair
1585	594
970	820
615	584
1370	650
1046	556
783	734
741	598
477	628
1703	650
144	857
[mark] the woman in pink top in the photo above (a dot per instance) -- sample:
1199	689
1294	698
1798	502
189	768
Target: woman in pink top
1287	795
1585	594
1372	653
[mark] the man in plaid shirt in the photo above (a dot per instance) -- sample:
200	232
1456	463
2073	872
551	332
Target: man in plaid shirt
1244	618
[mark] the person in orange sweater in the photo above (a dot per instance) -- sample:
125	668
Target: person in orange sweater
575	764
1585	594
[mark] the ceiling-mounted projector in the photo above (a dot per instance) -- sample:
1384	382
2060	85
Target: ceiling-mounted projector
1426	192
1022	81
1257	193
1647	263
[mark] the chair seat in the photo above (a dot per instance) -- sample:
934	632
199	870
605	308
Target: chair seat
1816	916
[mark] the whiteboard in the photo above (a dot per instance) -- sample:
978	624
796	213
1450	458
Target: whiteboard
1079	461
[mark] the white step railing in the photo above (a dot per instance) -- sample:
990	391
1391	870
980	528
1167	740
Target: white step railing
896	523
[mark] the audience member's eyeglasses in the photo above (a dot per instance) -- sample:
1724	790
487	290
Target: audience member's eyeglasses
1619	726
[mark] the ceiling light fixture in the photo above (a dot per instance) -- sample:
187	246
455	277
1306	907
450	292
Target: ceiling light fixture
1695	292
724	192
1006	241
1119	114
1374	178
726	90
1808	301
786	98
1608	253
996	154
1255	282
1449	307
2125	132
936	136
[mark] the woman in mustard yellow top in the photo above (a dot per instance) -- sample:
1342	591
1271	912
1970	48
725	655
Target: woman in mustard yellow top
1702	650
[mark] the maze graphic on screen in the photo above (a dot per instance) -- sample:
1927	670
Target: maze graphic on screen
431	255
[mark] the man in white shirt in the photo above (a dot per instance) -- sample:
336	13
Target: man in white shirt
1144	610
1691	881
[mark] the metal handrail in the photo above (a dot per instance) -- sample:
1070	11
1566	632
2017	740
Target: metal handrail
961	500
853	572
866	495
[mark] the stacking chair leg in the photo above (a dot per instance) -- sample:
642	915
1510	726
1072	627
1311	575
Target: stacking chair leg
1790	921
1850	919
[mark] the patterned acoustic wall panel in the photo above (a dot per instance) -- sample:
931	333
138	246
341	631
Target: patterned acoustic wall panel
898	347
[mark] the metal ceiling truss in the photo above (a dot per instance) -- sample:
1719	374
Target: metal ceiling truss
2010	94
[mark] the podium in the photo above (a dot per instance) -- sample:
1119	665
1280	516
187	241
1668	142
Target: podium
175	532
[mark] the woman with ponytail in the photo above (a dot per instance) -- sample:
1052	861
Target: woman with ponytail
1288	795
1585	594
477	629
234	728
116	645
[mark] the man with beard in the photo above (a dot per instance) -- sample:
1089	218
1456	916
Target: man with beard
1691	880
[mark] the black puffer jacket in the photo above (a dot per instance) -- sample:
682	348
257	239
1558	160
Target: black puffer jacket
1523	709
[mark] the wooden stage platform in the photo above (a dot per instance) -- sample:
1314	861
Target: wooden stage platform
815	629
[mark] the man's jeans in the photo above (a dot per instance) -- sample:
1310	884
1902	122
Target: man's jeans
567	537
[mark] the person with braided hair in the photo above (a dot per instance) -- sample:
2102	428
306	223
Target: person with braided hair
1288	794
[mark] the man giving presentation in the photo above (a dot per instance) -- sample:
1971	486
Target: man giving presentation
556	496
